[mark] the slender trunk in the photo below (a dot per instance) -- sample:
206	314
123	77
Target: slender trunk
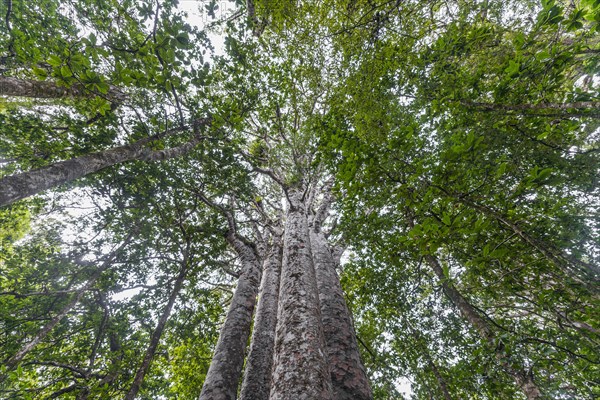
301	370
436	372
439	378
348	375
12	362
257	26
225	368
156	335
523	379
10	86
257	378
23	185
421	343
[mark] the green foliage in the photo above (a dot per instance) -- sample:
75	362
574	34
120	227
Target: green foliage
461	131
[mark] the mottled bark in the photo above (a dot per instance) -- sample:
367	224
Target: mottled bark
523	379
23	185
10	86
300	365
348	375
257	376
156	334
225	368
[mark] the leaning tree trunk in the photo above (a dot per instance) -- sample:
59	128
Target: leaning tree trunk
257	378
10	86
523	379
225	369
348	375
23	185
156	335
301	370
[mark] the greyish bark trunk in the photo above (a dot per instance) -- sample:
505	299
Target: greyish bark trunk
257	378
156	335
348	375
20	186
10	86
225	369
523	379
300	364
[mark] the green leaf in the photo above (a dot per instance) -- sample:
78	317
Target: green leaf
501	169
513	68
542	55
446	219
40	73
102	87
183	39
543	135
446	270
54	61
543	174
486	250
65	71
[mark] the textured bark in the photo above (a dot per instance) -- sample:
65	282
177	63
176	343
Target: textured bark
10	86
301	369
226	366
523	379
23	185
348	375
257	378
156	335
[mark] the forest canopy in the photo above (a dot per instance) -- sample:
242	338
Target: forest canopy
281	200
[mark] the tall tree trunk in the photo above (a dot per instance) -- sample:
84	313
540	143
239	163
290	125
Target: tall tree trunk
156	335
348	375
23	185
10	86
225	368
257	378
523	379
12	362
301	370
